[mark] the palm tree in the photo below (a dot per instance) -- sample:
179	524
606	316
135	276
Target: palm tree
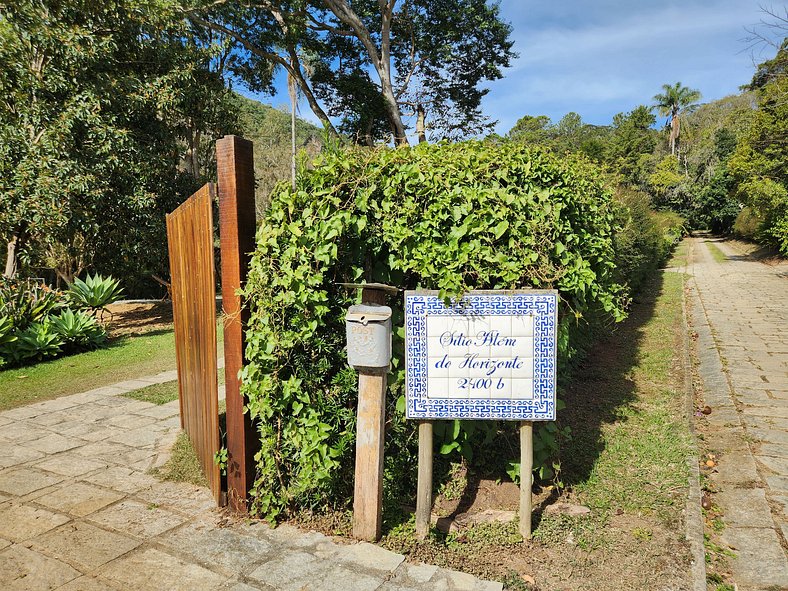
675	101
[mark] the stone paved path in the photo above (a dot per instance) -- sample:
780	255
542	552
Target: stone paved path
740	313
79	511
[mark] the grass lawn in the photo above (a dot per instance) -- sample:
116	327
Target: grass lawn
161	393
126	358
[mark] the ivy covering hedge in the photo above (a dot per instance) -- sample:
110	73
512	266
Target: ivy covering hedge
452	217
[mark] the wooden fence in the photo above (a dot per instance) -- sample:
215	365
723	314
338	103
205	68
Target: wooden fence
190	239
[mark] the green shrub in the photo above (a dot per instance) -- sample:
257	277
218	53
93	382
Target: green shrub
452	217
748	224
644	237
94	293
78	330
25	301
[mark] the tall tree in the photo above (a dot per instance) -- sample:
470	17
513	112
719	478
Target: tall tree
631	143
375	59
99	100
674	101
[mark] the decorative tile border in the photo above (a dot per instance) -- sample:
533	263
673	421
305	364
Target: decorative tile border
491	355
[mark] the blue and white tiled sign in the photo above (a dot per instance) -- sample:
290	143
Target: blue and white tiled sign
491	355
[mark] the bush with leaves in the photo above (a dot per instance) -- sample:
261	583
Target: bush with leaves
36	322
452	217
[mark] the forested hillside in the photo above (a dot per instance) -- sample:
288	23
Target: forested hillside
721	165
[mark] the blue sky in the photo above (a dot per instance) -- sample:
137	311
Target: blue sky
602	57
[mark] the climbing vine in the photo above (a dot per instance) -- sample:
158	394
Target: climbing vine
452	217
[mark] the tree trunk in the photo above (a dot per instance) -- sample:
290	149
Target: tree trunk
421	127
291	87
674	131
380	60
12	257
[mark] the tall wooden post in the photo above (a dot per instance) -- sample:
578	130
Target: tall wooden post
526	468
235	167
370	429
424	486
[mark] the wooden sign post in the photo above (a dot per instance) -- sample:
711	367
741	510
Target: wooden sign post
526	474
424	486
491	355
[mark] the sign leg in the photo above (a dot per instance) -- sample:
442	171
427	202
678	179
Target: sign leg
526	469
424	491
368	493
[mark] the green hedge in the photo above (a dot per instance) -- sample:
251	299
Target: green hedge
452	217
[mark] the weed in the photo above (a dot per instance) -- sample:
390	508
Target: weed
183	465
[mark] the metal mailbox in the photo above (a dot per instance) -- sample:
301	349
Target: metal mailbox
368	336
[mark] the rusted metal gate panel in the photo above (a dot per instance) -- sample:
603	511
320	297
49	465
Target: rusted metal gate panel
190	238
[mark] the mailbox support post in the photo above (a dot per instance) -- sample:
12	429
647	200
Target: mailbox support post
526	469
370	427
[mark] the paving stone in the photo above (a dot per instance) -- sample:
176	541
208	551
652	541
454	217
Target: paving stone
154	570
420	573
121	479
130	421
745	507
137	519
13	454
774	450
143	437
70	465
22	412
777	483
224	548
488	586
185	498
4	543
163	411
83	545
23	431
19	522
79	499
338	578
776	465
26	570
737	468
769	435
287	572
760	561
88	583
23	481
370	556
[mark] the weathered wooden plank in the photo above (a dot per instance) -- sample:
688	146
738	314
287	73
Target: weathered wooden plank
235	168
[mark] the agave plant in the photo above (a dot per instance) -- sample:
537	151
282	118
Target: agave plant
94	293
78	330
38	341
7	337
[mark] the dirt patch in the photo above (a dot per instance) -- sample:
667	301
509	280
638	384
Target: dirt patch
139	318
